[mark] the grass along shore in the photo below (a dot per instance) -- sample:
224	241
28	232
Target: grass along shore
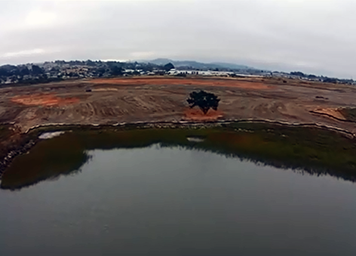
310	150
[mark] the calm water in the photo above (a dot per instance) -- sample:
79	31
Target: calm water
175	201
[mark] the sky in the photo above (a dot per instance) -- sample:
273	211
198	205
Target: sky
312	36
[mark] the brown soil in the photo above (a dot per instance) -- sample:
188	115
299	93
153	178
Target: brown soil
198	115
105	90
163	99
331	112
185	81
43	100
154	99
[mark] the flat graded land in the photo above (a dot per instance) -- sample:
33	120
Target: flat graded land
163	99
110	101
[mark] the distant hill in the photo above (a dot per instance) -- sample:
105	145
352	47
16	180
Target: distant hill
198	65
231	65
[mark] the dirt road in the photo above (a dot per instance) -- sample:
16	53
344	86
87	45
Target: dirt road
111	101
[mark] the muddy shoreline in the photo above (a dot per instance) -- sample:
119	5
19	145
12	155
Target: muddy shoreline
31	137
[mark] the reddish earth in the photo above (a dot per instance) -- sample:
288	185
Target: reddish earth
43	100
119	100
198	115
154	99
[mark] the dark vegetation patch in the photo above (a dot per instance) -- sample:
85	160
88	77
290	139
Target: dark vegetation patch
306	150
349	114
11	143
4	132
8	140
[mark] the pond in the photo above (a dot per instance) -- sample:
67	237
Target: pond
143	193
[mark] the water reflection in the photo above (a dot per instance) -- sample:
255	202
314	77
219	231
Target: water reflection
319	153
47	161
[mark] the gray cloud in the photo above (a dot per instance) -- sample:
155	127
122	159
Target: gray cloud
312	36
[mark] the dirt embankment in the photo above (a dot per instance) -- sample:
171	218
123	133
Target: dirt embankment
12	143
331	112
159	99
112	101
129	100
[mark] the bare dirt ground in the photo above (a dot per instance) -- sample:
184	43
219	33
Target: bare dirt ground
196	114
43	100
119	100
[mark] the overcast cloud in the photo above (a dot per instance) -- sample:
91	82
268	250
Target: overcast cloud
308	35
